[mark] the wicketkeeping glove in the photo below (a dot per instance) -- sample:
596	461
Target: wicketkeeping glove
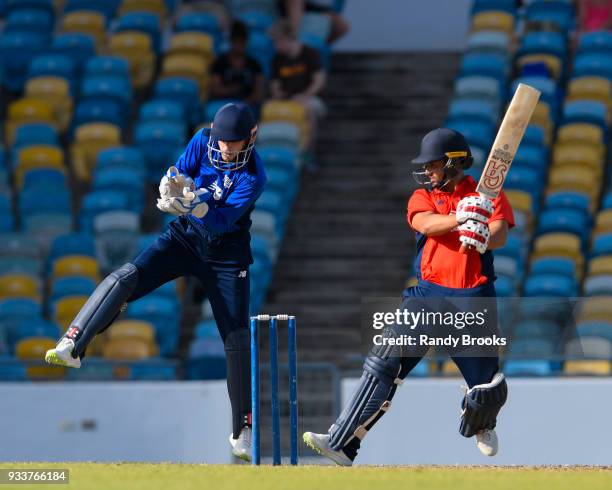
192	202
172	185
478	208
475	234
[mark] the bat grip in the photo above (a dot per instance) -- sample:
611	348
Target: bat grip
464	249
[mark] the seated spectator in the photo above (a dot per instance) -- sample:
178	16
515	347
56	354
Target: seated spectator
235	75
297	74
595	15
293	10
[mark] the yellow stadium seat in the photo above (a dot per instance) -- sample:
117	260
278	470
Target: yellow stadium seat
579	155
192	66
449	368
67	308
157	7
600	265
89	140
56	92
567	178
587	367
559	244
137	329
596	308
86	22
38	156
76	265
603	222
283	110
27	110
520	200
96	347
493	21
136	48
552	62
591	88
584	134
19	286
127	349
33	349
198	43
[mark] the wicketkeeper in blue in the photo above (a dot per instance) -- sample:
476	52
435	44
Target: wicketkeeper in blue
212	189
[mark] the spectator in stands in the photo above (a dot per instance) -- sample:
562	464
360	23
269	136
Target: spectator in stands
595	15
235	75
293	10
297	75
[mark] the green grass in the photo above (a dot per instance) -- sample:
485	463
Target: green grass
128	476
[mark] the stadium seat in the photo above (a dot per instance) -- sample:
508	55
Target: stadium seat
34	328
564	220
108	66
98	202
575	154
527	367
582	134
98	111
574	179
531	349
602	244
19	286
38	157
76	265
555	11
123	157
77	46
66	309
145	22
116	235
136	329
558	244
193	43
590	88
496	42
107	8
598	285
189	66
86	22
34	134
89	140
162	110
19	265
601	265
25	111
136	48
493	21
538	329
586	111
200	22
593	64
595	42
71	286
127	349
603	222
32	201
19	245
473	109
596	309
163	314
158	142
157	7
279	134
543	42
16	51
586	367
534	136
478	86
181	90
33	349
54	65
72	244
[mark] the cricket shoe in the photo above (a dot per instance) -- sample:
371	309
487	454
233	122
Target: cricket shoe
61	354
241	447
320	444
486	441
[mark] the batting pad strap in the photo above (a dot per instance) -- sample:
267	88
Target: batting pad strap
362	430
481	405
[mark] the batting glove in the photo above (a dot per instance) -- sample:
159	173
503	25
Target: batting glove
478	208
475	234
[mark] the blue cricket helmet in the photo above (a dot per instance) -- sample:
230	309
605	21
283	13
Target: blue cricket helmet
233	122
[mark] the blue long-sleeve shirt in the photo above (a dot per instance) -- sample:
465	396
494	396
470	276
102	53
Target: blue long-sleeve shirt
222	235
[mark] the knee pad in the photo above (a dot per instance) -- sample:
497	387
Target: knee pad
103	306
238	358
371	399
481	405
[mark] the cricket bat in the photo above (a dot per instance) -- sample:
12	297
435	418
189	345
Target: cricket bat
506	142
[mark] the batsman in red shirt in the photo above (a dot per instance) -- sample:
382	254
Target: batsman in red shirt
456	229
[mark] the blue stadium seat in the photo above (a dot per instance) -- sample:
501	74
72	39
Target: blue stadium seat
56	65
71	286
279	134
505	286
42	5
261	48
158	142
477	132
12	370
546	86
13	311
7	220
19	245
554	265
153	370
28	19
598	285
19	265
558	12
491	65
45	226
594	329
495	42
495	5
146	22
274	202
33	328
212	106
34	134
201	22
595	42
257	21
162	110
76	46
543	42
98	202
478	86
537	328
531	349
259	247
128	157
113	66
45	180
206	329
508	266
593	64
588	111
107	88
525	179
107	8
282	181
16	51
607	201
550	285
98	110
164	314
602	245
567	220
72	244
181	90
279	157
533	157
32	201
527	367
514	248
534	135
206	367
568	199
123	180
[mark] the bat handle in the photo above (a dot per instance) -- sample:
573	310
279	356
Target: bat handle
464	249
